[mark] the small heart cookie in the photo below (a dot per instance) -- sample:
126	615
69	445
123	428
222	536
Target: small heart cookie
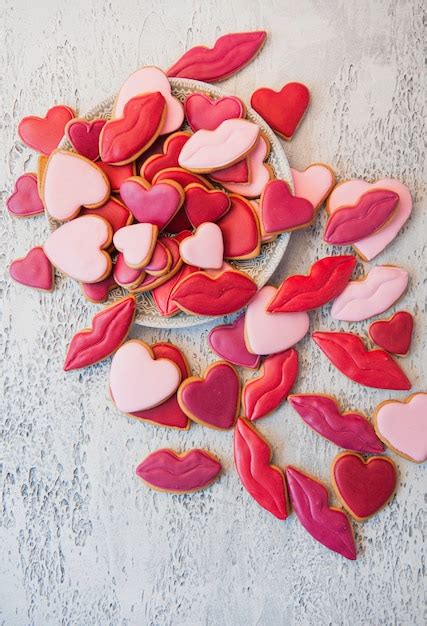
137	243
83	135
33	270
315	183
393	334
25	200
157	204
203	112
282	110
205	205
228	342
204	249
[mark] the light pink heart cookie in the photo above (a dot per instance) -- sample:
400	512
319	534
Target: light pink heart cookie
145	80
138	381
137	243
268	333
210	150
204	249
403	426
314	183
260	172
347	194
76	248
71	181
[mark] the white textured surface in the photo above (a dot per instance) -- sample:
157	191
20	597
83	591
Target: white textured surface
82	541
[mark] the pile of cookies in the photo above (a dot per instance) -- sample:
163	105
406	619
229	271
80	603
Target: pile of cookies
142	204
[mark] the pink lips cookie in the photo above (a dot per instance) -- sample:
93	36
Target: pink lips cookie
228	342
25	200
202	111
33	270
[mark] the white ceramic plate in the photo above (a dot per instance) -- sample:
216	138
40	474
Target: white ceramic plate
260	268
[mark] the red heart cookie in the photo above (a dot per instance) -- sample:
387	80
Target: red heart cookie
282	110
393	334
114	211
205	205
214	399
25	200
156	163
281	211
44	133
228	342
33	270
182	177
204	112
240	230
84	136
117	174
156	205
364	487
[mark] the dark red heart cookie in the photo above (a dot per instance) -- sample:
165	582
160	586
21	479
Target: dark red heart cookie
393	334
205	205
84	136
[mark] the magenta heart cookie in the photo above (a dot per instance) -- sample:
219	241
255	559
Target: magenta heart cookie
228	342
25	200
155	205
204	112
33	270
281	211
84	136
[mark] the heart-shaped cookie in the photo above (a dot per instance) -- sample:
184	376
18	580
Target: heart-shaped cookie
260	172
33	270
240	230
364	487
393	334
77	248
158	162
236	173
69	182
205	205
160	261
202	111
315	183
138	381
98	292
213	400
282	110
44	133
281	211
83	135
114	211
157	204
117	174
228	342
137	243
204	249
268	333
25	200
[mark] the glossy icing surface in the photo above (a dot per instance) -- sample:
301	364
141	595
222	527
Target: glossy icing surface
84	136
314	183
137	243
240	230
394	334
281	211
204	112
205	248
284	109
203	205
44	133
403	425
156	205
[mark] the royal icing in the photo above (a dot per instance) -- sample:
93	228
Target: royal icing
403	426
156	205
314	183
156	163
25	200
76	248
146	80
204	205
268	333
240	230
375	293
83	135
137	243
228	342
203	112
262	480
210	150
160	261
166	470
33	270
364	487
138	381
282	110
117	174
260	172
393	334
348	192
44	133
348	430
281	211
372	368
204	249
182	177
236	173
70	181
98	292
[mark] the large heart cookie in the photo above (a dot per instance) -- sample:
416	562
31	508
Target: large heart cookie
69	182
138	381
76	248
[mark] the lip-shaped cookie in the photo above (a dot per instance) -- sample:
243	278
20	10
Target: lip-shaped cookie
203	112
372	368
240	230
83	135
25	200
157	204
229	54
205	205
364	487
402	425
210	150
268	333
260	172
262	480
69	182
282	110
349	191
147	80
281	211
314	183
156	163
108	330
263	394
214	399
346	429
228	342
77	248
393	334
165	470
326	280
205	248
328	525
44	133
137	243
373	294
33	270
138	381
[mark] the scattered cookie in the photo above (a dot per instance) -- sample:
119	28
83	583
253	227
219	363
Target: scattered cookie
393	334
282	110
33	270
83	135
281	211
99	292
137	242
156	205
203	112
43	134
205	205
240	230
205	248
402	425
25	200
315	183
228	342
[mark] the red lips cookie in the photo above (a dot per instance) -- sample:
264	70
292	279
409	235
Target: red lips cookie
25	200
202	111
156	205
33	270
84	136
156	163
44	133
281	211
214	399
240	230
205	205
282	110
393	334
364	487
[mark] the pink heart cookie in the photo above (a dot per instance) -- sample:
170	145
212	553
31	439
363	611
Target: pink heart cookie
348	192
25	200
138	381
210	150
137	243
260	172
69	182
145	80
268	333
77	248
157	204
228	342
204	249
33	270
314	183
84	136
204	112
